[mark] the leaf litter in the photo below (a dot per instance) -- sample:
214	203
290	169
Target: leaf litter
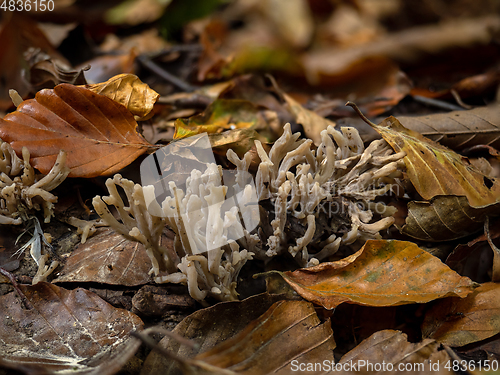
318	63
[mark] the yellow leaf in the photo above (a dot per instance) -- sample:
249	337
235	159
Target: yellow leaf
130	91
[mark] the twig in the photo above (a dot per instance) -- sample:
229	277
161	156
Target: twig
155	68
437	103
14	283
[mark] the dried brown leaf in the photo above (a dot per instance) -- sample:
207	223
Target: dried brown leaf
66	330
108	258
264	346
98	134
130	91
445	218
208	327
458	322
389	351
459	129
381	273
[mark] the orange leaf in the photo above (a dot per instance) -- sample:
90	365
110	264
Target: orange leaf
98	134
381	273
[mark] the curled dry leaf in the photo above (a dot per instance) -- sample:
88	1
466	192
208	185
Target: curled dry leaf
387	351
108	258
381	273
129	90
458	322
436	170
445	218
86	334
98	134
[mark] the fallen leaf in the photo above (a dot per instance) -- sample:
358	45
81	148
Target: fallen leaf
458	322
98	134
445	218
208	327
47	74
222	115
389	351
18	35
65	331
312	123
263	346
381	273
239	140
436	170
459	129
129	90
107	258
404	46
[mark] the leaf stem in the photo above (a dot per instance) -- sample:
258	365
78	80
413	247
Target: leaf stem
360	114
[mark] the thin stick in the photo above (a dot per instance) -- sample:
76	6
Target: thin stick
149	64
14	283
360	114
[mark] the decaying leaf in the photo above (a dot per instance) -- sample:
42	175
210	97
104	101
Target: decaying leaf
459	129
208	327
66	330
222	114
389	351
445	218
98	134
264	345
458	322
108	258
129	90
436	170
381	273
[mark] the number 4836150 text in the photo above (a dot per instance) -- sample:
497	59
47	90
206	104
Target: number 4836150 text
27	5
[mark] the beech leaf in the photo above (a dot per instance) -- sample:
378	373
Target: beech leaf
381	273
108	258
445	218
98	134
129	90
458	322
264	345
459	129
66	330
389	351
436	170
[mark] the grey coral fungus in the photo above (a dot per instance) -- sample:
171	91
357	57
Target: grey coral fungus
324	198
